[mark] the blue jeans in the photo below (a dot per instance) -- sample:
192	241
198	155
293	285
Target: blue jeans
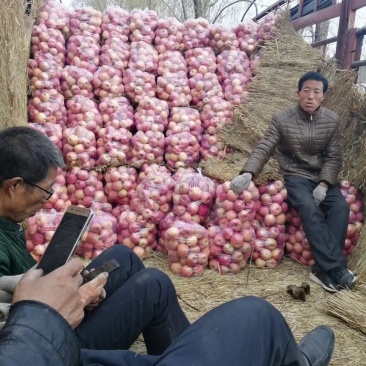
139	301
243	332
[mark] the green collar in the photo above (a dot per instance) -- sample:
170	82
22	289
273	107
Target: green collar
9	225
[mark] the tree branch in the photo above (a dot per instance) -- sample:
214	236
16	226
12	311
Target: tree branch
246	12
234	2
197	8
184	9
213	3
170	9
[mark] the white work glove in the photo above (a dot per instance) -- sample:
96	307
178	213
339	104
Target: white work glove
241	182
319	193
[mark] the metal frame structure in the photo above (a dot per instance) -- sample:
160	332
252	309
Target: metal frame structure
349	39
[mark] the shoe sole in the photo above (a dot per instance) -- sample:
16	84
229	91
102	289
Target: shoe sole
325	287
353	284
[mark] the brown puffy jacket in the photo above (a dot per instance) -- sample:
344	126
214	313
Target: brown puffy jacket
307	145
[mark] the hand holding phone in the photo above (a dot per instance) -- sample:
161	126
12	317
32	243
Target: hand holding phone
88	289
92	293
66	238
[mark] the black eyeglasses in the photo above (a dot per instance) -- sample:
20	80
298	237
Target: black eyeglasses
49	193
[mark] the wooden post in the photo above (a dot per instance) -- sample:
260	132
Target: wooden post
359	42
350	48
300	9
345	22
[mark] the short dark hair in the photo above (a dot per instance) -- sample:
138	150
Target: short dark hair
27	153
312	75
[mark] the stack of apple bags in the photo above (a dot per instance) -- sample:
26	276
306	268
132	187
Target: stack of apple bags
134	102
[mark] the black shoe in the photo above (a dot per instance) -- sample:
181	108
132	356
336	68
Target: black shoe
322	279
318	346
344	277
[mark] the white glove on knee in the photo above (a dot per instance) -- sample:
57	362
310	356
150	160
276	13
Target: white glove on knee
241	182
319	193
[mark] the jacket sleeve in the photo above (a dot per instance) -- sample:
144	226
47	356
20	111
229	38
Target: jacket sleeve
332	160
263	150
35	334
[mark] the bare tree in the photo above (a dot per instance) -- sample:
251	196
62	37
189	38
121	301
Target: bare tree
227	11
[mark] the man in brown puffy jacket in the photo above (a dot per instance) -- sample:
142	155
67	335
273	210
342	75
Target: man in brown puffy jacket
306	140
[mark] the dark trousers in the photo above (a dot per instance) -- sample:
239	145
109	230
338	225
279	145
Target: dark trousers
325	226
247	331
139	300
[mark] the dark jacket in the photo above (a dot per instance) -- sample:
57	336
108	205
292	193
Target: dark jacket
35	334
14	257
307	145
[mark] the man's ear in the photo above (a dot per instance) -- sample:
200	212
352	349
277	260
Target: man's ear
298	93
12	184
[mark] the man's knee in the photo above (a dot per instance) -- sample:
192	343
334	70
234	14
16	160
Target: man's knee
117	252
342	206
155	277
253	305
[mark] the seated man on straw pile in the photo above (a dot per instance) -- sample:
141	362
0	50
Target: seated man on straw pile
247	331
306	137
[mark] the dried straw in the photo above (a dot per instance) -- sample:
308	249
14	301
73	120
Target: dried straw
350	307
15	32
357	262
282	62
345	99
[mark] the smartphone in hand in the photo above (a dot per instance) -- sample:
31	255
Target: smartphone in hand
105	267
66	238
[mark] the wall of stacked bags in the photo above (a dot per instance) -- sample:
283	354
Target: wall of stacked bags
134	102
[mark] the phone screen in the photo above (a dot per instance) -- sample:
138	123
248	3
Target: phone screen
64	241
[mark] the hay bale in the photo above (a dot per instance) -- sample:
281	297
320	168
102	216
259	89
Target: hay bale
15	33
282	62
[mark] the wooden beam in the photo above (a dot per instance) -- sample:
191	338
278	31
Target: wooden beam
350	48
357	64
269	9
357	4
300	8
342	31
331	12
324	42
359	42
361	31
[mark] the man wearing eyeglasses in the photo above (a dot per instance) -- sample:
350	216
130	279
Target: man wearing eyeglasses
28	168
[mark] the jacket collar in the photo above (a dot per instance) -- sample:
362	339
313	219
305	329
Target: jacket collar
305	114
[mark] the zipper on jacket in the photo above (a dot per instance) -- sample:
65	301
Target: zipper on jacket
310	131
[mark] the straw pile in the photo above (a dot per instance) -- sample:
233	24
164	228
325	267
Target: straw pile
345	98
358	258
197	295
282	62
350	307
15	32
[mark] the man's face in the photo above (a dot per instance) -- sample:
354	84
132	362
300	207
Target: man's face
27	201
311	95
